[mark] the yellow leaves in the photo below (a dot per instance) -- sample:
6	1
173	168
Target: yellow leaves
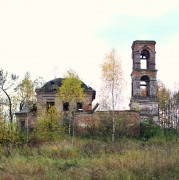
9	132
111	68
163	94
71	89
26	89
112	77
71	74
47	127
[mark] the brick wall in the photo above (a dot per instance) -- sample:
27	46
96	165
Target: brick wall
127	122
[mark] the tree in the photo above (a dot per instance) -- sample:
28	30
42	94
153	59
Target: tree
47	127
163	94
71	92
163	97
7	81
176	97
112	77
26	91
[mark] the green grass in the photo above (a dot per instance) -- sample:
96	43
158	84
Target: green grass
157	158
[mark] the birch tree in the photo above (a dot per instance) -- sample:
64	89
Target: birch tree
71	92
112	77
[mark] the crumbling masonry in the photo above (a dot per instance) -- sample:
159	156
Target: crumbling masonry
144	80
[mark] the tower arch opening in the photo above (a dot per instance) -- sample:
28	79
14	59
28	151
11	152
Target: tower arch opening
144	56
144	86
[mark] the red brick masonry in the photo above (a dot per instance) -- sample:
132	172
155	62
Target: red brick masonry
130	121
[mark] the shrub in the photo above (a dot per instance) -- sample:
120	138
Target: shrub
149	130
11	134
48	127
157	135
171	134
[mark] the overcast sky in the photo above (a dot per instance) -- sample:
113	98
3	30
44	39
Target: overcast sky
48	37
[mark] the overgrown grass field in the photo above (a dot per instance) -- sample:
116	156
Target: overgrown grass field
87	158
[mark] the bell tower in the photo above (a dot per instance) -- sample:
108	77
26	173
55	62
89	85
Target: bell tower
144	80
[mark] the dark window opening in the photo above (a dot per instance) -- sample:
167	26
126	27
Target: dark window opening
22	125
144	86
144	56
66	106
50	104
79	106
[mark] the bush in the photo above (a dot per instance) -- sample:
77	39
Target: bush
171	134
149	129
11	134
48	127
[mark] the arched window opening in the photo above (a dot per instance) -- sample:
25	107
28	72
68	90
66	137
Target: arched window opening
144	56
144	86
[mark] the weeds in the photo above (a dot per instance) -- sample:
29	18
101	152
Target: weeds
155	155
94	159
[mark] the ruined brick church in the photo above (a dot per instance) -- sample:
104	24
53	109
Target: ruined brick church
143	104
